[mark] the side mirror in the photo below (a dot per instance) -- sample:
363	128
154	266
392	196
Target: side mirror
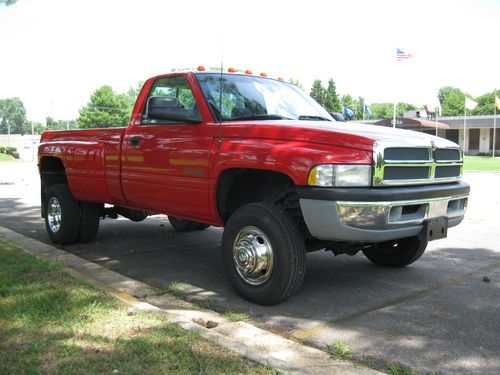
170	109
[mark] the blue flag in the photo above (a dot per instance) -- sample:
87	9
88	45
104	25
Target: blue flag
347	112
367	110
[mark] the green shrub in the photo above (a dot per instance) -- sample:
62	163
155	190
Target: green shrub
497	153
10	150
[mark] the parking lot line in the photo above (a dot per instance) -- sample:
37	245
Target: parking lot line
305	334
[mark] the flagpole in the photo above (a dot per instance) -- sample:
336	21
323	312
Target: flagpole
436	118
396	71
465	127
494	126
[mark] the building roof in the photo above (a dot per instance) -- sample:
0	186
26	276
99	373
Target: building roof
412	123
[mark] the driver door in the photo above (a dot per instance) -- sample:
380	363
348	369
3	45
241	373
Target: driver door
165	163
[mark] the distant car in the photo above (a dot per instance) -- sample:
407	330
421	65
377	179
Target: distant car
337	116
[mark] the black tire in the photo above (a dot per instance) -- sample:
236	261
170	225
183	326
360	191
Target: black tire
202	226
288	253
68	230
397	253
89	221
181	225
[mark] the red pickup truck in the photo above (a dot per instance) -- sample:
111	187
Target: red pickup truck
262	159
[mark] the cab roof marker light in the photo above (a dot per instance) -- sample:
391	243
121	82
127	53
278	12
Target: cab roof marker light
200	68
248	71
263	74
232	70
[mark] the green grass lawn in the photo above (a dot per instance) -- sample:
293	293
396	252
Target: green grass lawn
52	323
5	157
482	163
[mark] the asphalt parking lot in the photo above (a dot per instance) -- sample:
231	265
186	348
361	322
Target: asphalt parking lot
439	315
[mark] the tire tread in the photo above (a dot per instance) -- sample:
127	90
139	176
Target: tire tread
287	227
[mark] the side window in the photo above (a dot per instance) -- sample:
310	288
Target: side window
172	87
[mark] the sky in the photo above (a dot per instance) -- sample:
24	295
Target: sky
55	53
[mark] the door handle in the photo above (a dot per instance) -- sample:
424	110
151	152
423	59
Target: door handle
135	141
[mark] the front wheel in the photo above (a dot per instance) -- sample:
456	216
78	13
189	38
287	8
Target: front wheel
263	253
397	253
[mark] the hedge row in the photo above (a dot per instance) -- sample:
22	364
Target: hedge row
9	151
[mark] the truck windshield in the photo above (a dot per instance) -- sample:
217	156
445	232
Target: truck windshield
254	98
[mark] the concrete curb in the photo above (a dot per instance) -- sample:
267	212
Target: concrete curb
257	344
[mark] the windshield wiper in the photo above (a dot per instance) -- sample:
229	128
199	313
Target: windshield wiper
312	117
260	117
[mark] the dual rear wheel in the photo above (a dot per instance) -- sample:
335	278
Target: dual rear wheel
67	220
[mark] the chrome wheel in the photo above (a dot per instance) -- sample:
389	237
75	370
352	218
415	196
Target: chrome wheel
253	255
54	214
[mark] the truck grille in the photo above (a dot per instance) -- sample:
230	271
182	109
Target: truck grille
443	154
405	173
401	153
411	164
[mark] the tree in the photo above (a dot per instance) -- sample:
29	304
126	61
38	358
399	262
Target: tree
385	110
296	82
132	94
486	104
37	127
404	107
359	108
356	104
60	124
105	109
331	101
381	110
452	101
318	92
7	2
13	114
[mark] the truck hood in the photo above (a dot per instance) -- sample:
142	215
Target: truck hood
343	134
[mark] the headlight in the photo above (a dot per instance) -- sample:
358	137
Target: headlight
340	175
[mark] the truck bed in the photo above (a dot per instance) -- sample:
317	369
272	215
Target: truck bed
92	161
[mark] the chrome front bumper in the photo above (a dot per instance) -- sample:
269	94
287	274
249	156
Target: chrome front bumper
388	215
379	220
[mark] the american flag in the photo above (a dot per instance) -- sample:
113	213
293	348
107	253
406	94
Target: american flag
402	55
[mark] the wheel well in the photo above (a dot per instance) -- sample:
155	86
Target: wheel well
237	187
52	172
